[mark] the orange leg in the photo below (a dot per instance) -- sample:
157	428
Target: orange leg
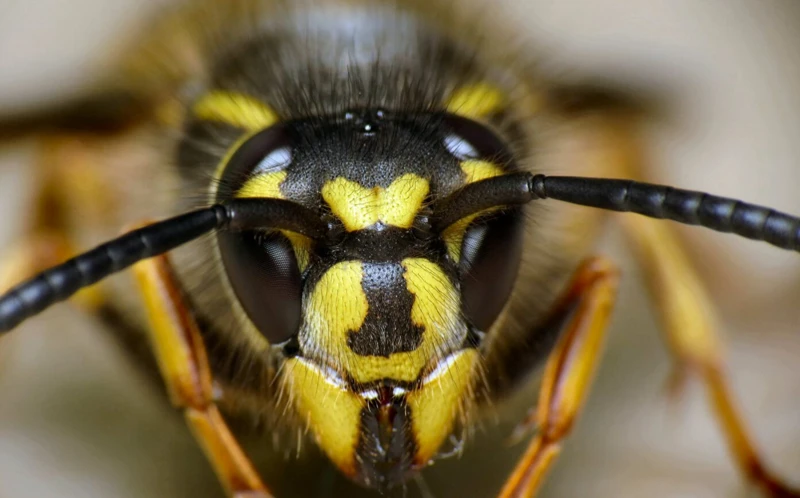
687	320
568	373
182	359
606	130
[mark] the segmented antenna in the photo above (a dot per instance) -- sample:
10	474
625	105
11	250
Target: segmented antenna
656	201
684	206
62	281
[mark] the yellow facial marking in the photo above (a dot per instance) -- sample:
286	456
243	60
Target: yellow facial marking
476	101
266	186
338	305
436	404
453	236
359	207
235	109
332	412
475	171
436	301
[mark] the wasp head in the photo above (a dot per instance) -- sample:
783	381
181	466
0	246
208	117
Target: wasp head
380	322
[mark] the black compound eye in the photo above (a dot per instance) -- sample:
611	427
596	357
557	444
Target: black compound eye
268	151
492	245
263	273
490	257
261	266
466	139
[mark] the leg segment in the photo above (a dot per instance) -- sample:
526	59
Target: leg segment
182	359
568	373
688	324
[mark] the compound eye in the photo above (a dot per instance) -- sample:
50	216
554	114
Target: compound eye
264	275
492	244
268	151
466	139
261	265
490	257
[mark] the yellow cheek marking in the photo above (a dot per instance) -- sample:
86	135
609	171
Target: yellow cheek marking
235	109
476	101
332	413
475	171
265	186
338	305
435	406
269	186
359	207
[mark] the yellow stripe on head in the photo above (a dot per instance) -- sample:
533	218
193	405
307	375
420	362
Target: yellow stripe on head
359	207
453	236
264	186
268	186
475	170
476	101
235	109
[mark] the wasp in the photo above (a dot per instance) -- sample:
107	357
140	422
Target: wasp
374	224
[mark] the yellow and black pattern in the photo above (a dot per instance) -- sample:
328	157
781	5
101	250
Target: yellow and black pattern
363	288
373	321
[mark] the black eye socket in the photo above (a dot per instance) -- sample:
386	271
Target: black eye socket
263	273
490	257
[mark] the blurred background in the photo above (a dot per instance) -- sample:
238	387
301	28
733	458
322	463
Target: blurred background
76	420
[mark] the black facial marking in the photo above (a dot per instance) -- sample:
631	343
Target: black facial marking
379	246
388	328
370	151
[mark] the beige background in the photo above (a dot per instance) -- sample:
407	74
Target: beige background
76	421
